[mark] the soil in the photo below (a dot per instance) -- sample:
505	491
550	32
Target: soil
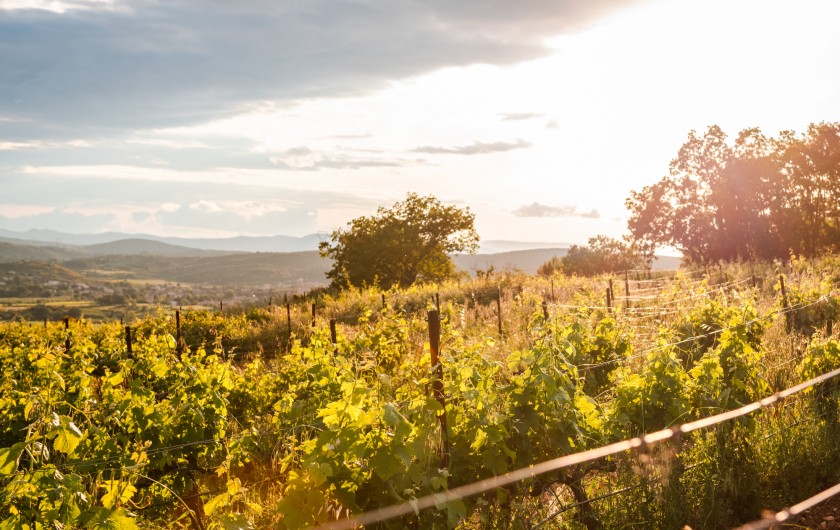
824	516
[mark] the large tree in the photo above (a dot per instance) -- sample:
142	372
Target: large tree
406	243
757	197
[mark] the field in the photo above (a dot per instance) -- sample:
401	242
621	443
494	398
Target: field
301	415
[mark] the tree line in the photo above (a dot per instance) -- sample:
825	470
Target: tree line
758	197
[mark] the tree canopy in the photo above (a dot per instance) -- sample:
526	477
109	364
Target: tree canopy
406	243
602	254
757	197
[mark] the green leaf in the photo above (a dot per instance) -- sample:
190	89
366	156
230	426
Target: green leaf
68	436
115	379
480	440
219	500
391	417
9	457
108	519
117	491
385	464
455	511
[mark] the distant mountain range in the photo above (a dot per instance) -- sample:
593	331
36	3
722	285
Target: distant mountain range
223	261
230	244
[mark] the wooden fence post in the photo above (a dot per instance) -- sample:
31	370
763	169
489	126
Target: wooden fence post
545	310
785	303
67	336
313	314
609	300
627	289
288	326
333	336
384	305
437	301
437	383
179	347
499	311
552	290
128	342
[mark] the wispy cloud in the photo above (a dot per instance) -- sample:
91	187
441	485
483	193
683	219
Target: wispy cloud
541	210
171	144
519	116
304	158
38	144
476	148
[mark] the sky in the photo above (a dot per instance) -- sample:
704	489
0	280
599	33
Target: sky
291	117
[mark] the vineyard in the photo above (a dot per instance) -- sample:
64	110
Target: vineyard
303	414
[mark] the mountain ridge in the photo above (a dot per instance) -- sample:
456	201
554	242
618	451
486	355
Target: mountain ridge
276	243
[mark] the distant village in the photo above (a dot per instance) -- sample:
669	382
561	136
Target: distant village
30	295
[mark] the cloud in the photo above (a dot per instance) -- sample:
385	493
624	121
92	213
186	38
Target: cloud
519	116
541	210
244	209
304	158
476	148
157	64
37	144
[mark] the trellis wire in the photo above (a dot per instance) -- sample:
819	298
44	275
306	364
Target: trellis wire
519	475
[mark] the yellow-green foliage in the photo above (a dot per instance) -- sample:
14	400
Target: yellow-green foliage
288	432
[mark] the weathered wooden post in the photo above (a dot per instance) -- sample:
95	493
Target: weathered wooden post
545	310
288	326
499	311
179	347
333	336
437	382
128	342
67	335
627	289
609	300
785	308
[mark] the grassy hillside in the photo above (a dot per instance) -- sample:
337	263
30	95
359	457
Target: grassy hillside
12	252
240	269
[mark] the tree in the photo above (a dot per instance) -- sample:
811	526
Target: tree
602	254
550	267
407	243
759	197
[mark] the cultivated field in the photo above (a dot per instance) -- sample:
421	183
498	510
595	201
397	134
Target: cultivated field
298	415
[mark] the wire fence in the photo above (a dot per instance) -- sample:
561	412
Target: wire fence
796	509
530	472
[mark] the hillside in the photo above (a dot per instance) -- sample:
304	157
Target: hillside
528	261
145	246
240	269
11	252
